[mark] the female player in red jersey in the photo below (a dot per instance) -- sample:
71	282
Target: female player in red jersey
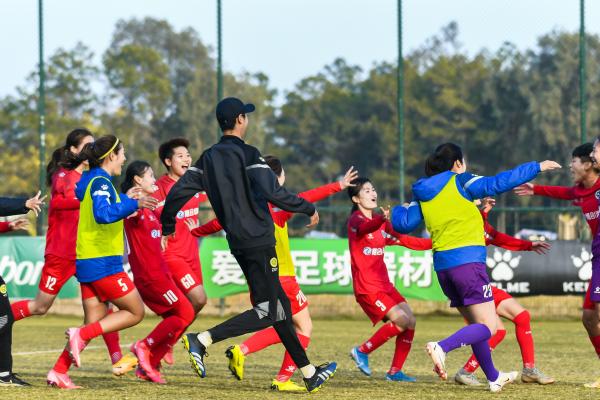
99	253
152	278
368	234
62	173
585	194
287	277
509	308
182	254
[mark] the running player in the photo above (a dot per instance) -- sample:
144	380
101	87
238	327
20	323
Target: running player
444	201
182	256
62	173
8	207
585	194
368	234
152	278
507	307
99	248
287	277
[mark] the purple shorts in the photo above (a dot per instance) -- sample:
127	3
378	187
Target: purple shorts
466	284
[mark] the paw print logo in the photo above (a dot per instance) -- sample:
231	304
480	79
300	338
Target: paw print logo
502	264
584	264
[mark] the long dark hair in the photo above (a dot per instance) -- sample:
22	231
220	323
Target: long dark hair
443	158
96	152
355	190
61	155
136	168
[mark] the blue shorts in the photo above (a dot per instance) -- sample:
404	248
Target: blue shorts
466	284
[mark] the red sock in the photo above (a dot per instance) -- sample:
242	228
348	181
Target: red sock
596	343
20	309
385	333
113	346
523	332
63	363
472	365
165	331
90	331
288	367
260	340
403	345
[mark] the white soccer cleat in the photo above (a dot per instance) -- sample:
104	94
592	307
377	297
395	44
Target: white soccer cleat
504	378
439	359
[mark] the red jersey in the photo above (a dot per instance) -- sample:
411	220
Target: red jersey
143	233
585	198
63	215
367	239
183	244
499	239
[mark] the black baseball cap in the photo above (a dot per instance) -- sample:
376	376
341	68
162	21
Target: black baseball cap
229	108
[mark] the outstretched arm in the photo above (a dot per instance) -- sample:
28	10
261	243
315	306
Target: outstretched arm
407	218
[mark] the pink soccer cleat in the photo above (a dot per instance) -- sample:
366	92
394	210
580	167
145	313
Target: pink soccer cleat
61	381
142	352
76	344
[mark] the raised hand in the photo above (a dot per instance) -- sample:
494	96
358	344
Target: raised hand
487	204
35	203
134	192
525	189
350	175
386	212
147	202
549	165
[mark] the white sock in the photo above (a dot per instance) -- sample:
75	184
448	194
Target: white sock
205	338
4	374
308	371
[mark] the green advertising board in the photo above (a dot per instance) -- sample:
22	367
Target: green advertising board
322	266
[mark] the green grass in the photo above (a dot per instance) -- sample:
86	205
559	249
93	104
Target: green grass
563	351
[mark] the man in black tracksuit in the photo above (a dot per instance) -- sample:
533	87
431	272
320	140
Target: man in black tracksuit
239	185
8	207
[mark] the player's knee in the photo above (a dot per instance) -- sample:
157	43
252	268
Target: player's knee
187	312
412	322
588	319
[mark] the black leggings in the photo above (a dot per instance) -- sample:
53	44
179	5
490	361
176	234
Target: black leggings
271	305
6	323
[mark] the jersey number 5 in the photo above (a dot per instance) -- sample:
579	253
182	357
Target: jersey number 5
123	285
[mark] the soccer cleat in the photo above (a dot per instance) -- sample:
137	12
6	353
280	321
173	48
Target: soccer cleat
462	377
322	374
140	373
197	353
127	363
236	361
399	377
76	344
534	375
61	381
287	386
142	352
12	380
439	359
361	360
593	385
504	378
169	357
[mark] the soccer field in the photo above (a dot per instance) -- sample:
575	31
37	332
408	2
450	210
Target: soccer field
562	348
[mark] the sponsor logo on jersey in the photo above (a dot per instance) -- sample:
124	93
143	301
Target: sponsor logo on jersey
155	233
597	194
3	290
373	251
273	262
187	213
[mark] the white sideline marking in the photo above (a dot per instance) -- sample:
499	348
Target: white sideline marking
29	353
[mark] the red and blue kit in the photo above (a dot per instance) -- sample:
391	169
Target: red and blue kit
367	238
182	255
150	272
61	238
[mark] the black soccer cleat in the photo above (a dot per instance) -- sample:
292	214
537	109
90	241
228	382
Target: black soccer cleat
197	352
12	380
322	374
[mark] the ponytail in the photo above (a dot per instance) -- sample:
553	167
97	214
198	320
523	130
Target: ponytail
62	155
96	152
443	159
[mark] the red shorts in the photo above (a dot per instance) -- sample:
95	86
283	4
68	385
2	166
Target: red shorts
55	273
291	288
499	295
108	288
588	304
376	305
187	274
160	295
